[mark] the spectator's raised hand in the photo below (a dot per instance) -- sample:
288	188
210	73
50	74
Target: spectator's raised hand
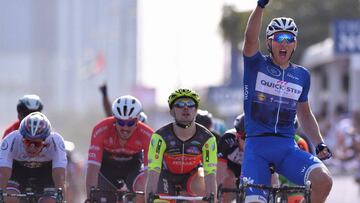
262	3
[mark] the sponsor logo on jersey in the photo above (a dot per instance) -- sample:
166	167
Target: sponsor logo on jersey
92	155
99	131
172	143
94	148
273	71
292	76
119	158
261	97
62	146
152	142
193	150
158	146
273	86
33	164
4	145
246	92
195	142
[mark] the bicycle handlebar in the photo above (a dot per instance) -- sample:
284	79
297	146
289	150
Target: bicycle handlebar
56	193
210	198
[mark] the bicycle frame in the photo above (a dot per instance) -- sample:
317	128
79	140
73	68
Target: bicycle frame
118	195
274	192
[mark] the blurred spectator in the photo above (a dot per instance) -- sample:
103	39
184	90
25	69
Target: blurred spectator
219	126
105	100
347	140
75	187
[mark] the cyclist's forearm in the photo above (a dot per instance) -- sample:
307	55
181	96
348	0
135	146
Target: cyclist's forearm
59	178
309	124
92	174
253	27
210	184
5	174
151	183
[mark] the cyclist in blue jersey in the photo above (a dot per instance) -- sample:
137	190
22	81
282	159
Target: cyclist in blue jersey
275	91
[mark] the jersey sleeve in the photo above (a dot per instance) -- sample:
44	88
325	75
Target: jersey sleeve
11	128
59	158
209	156
7	152
147	132
157	148
306	87
96	145
252	63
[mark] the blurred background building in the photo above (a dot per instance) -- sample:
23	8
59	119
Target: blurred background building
63	50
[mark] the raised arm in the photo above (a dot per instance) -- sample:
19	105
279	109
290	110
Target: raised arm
105	100
252	31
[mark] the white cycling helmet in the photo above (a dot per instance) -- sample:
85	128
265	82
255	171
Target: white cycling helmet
281	24
35	126
126	107
29	103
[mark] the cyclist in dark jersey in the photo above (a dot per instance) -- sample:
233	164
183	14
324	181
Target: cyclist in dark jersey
182	154
27	104
275	90
205	118
230	157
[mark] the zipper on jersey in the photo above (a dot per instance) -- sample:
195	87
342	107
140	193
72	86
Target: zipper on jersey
182	157
280	101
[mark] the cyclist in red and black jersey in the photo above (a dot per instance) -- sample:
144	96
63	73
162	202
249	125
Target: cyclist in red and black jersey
118	145
182	155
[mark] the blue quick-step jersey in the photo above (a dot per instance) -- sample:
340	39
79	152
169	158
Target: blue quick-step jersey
271	95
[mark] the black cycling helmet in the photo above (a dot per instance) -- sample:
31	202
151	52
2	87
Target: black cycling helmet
183	93
28	104
239	123
204	118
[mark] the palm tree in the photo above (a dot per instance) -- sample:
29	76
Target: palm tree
233	33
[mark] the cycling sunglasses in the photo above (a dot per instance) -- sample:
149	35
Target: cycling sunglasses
35	143
128	123
185	103
280	37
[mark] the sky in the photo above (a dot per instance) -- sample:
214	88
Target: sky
180	44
